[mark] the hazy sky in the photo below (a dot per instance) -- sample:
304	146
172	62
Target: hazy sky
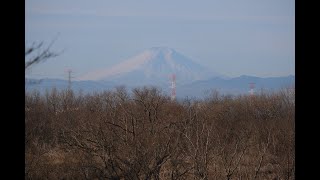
232	37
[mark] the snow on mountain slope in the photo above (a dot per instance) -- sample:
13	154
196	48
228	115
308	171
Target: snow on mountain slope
153	65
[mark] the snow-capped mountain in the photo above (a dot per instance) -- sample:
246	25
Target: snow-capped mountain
153	67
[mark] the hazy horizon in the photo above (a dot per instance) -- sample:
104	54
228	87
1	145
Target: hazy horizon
233	38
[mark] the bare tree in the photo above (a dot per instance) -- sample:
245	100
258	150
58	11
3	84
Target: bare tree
37	52
144	135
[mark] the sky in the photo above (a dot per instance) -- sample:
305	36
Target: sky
231	37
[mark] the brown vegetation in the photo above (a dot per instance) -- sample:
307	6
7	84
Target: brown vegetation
145	135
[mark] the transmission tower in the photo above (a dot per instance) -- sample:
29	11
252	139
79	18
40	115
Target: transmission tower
69	71
173	87
252	86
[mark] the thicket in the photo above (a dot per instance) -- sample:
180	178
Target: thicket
145	135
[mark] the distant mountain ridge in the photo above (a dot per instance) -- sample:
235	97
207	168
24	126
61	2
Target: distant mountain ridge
234	86
237	85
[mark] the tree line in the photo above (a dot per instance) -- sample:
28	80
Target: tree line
145	135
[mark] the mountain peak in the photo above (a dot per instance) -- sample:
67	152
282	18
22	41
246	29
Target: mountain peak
164	53
152	64
161	49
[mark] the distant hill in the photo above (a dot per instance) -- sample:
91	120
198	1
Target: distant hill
85	86
234	86
237	85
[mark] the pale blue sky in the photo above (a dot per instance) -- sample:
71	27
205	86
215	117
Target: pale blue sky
232	37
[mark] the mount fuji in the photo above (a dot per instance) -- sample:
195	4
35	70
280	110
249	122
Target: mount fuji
153	67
